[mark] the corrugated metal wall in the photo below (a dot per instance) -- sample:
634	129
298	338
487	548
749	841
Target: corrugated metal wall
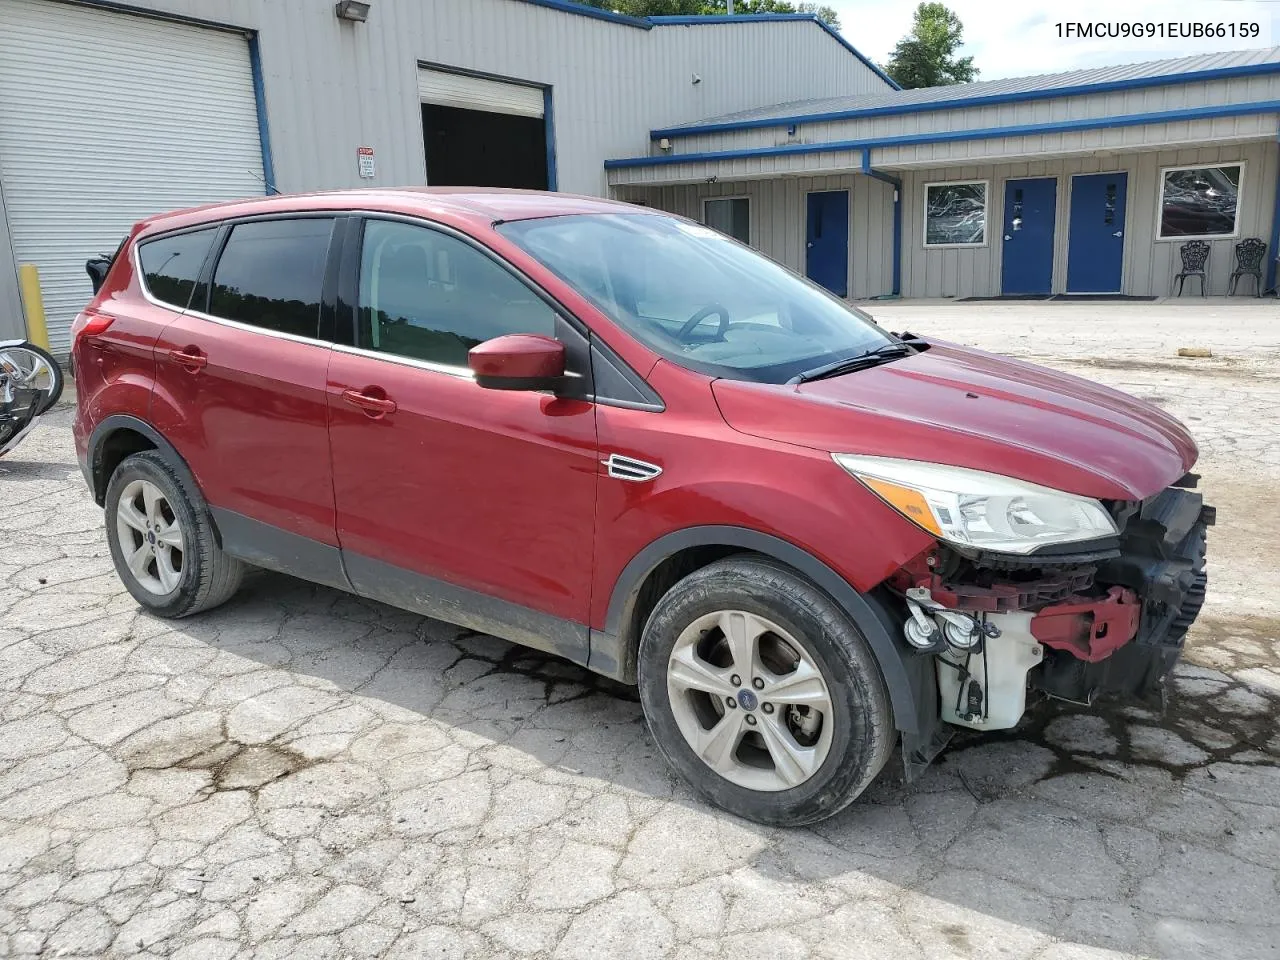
1122	103
778	210
1148	262
333	86
12	325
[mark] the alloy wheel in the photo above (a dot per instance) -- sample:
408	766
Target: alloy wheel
151	540
750	700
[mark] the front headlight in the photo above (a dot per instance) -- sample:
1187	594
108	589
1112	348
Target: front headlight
983	511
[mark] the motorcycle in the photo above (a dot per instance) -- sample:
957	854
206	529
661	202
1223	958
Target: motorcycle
30	384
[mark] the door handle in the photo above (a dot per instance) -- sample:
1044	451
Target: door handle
1007	237
809	245
190	357
1118	233
374	406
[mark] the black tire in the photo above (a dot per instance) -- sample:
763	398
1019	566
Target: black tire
208	577
863	734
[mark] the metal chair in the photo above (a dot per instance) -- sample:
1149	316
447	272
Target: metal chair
1249	254
1195	254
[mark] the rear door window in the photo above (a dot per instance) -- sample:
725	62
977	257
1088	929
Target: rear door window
271	275
171	265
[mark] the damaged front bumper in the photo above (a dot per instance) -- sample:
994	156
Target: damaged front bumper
1074	626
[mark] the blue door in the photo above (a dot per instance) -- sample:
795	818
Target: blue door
827	241
1095	253
1030	209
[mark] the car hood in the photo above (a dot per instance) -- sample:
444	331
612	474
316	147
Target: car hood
967	408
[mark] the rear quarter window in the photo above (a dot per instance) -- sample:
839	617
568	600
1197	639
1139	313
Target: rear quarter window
171	265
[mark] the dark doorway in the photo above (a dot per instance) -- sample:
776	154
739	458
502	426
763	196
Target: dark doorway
476	148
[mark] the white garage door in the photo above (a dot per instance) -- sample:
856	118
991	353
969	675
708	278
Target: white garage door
479	93
106	118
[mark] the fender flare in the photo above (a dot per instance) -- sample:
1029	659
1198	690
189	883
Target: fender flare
904	673
113	424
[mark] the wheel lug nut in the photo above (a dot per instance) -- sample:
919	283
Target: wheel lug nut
736	680
768	708
751	721
758	683
731	701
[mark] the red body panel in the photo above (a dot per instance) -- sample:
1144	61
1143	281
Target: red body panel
972	409
115	370
251	423
488	489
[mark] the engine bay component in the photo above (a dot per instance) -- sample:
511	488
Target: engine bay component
986	687
1090	629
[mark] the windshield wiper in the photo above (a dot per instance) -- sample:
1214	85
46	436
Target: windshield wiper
869	359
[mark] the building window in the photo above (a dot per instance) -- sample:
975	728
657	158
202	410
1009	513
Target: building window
729	215
955	214
1200	201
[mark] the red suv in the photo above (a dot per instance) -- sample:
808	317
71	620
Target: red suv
618	436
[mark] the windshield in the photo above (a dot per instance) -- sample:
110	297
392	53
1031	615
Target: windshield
696	297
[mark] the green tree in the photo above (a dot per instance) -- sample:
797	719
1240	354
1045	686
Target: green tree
666	8
926	56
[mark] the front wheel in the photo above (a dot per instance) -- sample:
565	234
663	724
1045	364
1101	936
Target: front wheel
762	694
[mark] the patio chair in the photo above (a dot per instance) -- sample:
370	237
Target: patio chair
1195	254
1249	254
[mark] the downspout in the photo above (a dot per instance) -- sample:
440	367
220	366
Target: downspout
1274	250
897	217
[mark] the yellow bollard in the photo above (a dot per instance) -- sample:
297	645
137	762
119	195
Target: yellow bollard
33	304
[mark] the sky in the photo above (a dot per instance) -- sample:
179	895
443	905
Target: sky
1020	38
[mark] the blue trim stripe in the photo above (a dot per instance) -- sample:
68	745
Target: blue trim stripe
548	116
566	6
1023	96
897	217
264	131
952	136
776	18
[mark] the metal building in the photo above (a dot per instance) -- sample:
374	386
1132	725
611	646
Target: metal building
1087	182
115	111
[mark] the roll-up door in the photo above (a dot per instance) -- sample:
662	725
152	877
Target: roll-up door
107	118
479	93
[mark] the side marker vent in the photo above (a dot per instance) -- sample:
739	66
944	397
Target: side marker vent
627	468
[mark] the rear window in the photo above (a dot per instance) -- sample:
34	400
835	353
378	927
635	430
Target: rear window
271	274
170	265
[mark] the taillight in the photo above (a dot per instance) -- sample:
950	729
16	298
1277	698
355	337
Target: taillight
90	325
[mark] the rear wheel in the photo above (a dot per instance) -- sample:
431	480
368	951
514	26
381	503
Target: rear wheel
162	541
762	694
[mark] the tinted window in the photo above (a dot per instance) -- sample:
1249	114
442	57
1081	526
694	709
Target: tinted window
170	265
430	296
271	274
731	217
696	297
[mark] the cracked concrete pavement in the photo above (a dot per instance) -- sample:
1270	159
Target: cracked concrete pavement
304	774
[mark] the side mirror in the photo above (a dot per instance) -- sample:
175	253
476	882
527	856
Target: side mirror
518	361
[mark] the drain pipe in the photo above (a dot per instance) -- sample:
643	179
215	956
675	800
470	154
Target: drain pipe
729	4
897	216
1274	252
